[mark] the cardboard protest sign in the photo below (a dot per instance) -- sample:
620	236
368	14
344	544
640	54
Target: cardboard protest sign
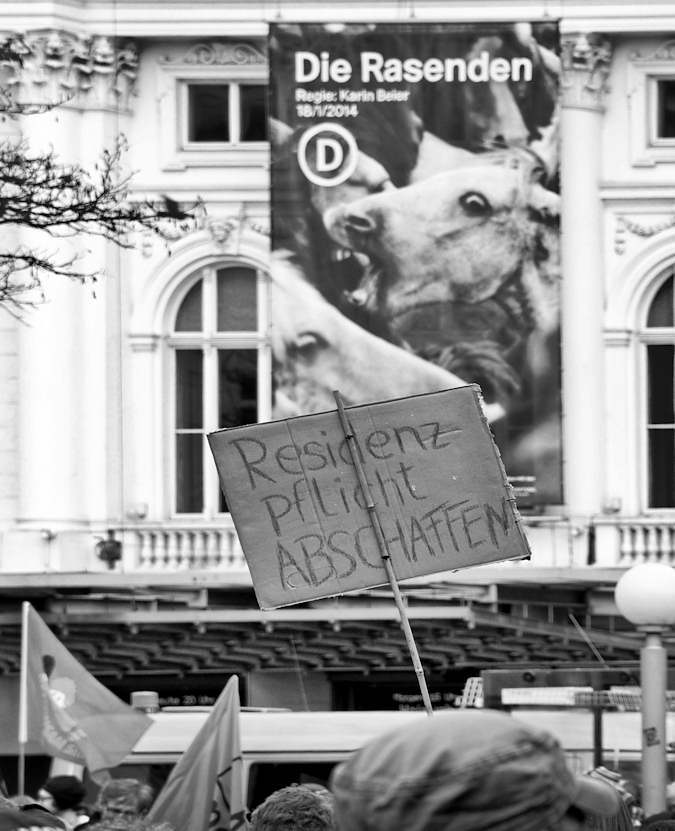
434	473
415	183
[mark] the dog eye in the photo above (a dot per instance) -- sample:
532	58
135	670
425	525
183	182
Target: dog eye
474	203
307	345
307	340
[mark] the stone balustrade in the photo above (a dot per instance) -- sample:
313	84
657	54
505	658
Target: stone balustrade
175	546
169	547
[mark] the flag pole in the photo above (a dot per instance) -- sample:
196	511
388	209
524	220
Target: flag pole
384	551
23	699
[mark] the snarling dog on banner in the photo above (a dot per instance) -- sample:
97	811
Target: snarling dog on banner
317	350
457	251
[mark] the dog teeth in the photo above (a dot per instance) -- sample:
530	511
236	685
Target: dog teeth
340	255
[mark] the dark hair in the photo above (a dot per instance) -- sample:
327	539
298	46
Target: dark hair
295	808
67	791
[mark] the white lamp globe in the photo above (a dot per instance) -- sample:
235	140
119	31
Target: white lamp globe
645	595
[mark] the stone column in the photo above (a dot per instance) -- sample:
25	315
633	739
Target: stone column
585	65
70	353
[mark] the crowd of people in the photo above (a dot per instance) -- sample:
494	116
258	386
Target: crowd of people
121	805
468	770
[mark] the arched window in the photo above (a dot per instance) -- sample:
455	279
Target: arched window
658	337
221	366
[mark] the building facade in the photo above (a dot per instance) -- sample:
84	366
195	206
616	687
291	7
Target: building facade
111	519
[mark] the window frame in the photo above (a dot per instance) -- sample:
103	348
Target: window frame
210	341
647	149
175	152
650	336
234	116
656	139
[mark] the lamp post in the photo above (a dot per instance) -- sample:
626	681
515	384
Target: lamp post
645	595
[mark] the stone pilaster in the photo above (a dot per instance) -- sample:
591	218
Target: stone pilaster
585	64
70	355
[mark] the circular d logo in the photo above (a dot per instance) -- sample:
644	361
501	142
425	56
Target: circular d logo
327	154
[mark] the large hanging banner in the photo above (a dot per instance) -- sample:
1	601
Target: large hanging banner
415	224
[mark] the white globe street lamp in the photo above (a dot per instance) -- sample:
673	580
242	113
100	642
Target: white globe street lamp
645	595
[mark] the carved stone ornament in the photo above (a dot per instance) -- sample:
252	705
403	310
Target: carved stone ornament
221	229
625	226
585	60
224	230
219	54
665	52
50	68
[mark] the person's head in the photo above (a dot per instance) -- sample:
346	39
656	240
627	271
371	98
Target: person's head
469	770
296	808
61	793
124	798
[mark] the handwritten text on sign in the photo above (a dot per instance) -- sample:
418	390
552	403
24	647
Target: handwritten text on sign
434	474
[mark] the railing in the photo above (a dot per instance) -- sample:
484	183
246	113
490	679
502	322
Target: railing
172	546
624	542
646	541
555	543
165	547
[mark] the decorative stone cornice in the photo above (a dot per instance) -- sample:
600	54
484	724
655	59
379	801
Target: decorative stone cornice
60	68
218	53
585	60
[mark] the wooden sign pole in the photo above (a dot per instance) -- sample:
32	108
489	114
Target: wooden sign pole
384	551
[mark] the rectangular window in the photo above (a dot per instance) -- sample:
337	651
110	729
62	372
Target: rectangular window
661	361
237	300
665	108
661	426
237	391
662	469
231	113
237	387
189	430
208	112
189	382
253	112
190	474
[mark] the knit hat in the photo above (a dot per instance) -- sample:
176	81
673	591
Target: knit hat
468	770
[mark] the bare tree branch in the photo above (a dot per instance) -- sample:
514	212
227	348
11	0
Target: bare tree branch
41	193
